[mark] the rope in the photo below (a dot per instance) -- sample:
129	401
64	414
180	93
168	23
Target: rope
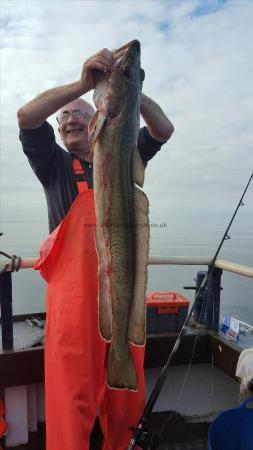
14	264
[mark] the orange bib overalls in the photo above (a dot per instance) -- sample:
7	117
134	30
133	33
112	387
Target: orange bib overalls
75	354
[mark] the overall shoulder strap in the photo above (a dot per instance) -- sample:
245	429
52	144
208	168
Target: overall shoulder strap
81	182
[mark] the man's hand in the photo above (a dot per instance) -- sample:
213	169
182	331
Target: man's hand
35	112
102	61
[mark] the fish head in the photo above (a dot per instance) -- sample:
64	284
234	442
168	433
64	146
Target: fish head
121	88
127	68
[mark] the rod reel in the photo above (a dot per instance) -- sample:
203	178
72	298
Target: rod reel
145	439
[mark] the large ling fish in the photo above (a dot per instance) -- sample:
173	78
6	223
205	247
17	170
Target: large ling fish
122	231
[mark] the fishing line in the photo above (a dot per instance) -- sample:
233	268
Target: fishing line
187	372
212	387
140	434
164	426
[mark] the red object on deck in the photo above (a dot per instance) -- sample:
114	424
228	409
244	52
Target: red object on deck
3	424
167	302
166	312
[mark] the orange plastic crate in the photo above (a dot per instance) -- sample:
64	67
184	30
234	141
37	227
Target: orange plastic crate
166	312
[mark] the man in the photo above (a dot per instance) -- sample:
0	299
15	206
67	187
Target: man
75	355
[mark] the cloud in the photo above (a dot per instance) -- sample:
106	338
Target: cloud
198	67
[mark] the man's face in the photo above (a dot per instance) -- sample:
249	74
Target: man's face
73	128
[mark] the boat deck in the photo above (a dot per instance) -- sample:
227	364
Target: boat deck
28	355
28	331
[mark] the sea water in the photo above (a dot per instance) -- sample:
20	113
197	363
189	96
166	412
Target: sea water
24	239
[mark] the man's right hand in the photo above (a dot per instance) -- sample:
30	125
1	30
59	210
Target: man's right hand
102	61
35	112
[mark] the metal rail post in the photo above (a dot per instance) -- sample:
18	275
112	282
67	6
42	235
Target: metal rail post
213	299
200	310
6	310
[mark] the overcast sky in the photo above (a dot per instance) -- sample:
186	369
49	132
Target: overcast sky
197	56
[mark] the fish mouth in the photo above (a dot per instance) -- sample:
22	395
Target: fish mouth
122	54
135	44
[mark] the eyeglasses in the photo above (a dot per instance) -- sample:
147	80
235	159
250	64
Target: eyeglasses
77	114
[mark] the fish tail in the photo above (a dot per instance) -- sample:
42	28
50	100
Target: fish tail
121	373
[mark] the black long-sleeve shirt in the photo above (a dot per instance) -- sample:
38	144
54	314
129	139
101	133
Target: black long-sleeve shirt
53	167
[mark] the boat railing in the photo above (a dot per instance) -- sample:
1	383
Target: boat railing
14	263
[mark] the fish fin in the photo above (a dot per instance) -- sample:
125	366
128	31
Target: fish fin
138	168
104	297
121	373
137	321
95	125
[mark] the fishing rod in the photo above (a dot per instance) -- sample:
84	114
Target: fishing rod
141	436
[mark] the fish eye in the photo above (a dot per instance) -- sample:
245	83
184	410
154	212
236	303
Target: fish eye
126	70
